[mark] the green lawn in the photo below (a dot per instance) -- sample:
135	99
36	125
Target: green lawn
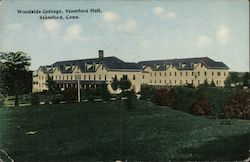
107	132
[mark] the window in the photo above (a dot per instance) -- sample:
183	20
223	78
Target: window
102	67
201	65
159	81
125	77
169	73
218	73
165	81
186	73
165	73
198	81
198	73
192	81
133	76
94	76
174	73
100	77
192	73
59	77
186	82
160	73
174	81
42	76
89	77
84	77
217	82
150	81
212	73
169	81
63	77
155	81
180	73
39	77
143	76
105	77
224	73
67	77
205	73
71	77
155	73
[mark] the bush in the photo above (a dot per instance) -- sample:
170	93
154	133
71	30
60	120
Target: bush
164	97
70	94
35	100
131	101
201	107
147	92
238	106
56	99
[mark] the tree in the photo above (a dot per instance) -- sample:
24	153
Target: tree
246	79
52	86
232	78
201	107
123	83
14	66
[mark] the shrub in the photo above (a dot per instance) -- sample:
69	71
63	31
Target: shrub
238	106
147	92
70	94
131	101
56	99
35	100
201	107
164	97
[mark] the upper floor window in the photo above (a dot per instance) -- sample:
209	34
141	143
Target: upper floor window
143	76
165	73
89	77
201	65
198	73
180	73
100	76
160	73
186	73
169	73
133	76
175	73
84	77
94	77
212	73
192	73
218	73
159	81
155	73
105	77
205	73
224	73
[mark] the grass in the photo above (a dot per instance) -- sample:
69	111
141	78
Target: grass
106	132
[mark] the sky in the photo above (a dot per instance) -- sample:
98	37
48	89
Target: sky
130	30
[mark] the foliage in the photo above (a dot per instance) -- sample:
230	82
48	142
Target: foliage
233	79
201	107
246	79
165	97
52	86
238	106
123	83
14	77
147	92
70	94
35	100
131	102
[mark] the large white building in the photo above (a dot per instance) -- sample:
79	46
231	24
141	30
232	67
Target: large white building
95	71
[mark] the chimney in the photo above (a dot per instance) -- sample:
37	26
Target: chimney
101	53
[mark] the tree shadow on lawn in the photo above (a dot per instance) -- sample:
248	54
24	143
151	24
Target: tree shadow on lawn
224	148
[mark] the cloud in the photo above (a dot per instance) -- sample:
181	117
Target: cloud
160	11
73	32
128	25
15	26
145	43
203	41
51	25
223	35
110	17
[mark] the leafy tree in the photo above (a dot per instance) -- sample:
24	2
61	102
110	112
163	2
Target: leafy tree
14	67
147	92
201	107
233	78
246	79
123	83
115	83
52	86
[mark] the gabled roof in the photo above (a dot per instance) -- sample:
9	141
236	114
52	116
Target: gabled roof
184	64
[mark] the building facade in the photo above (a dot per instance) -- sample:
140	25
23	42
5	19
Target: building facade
96	71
